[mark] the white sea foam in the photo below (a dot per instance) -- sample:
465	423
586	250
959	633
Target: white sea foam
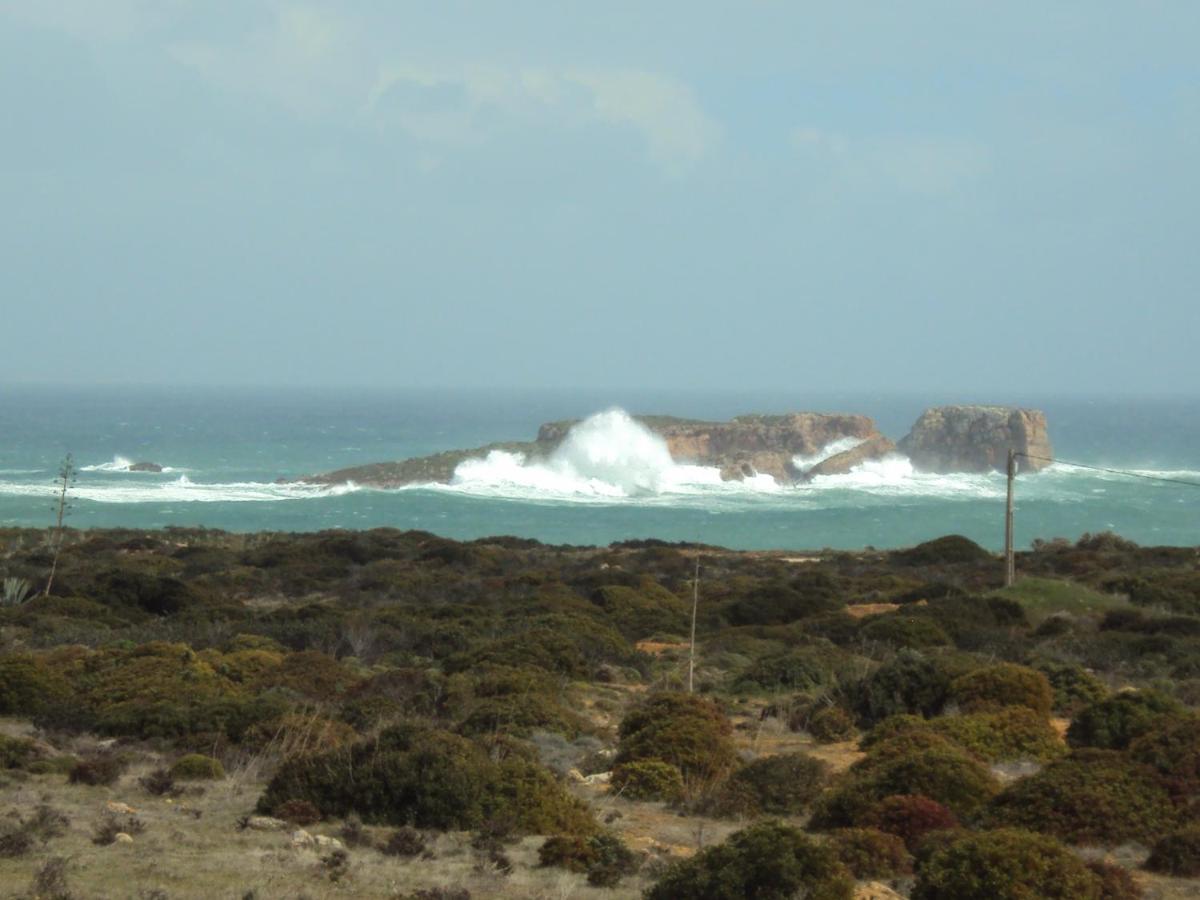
183	490
122	464
841	445
117	464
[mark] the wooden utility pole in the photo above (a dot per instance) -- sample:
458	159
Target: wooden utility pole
1010	564
695	606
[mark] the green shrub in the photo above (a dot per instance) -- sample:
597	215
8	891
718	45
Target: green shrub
1116	883
831	724
941	771
27	687
604	857
767	861
782	785
1177	853
870	853
1115	722
909	683
1172	748
1008	734
904	630
16	753
103	769
197	767
1074	687
1005	865
1000	686
521	714
429	779
644	611
647	779
404	842
910	817
298	812
948	550
687	731
1090	797
796	669
778	603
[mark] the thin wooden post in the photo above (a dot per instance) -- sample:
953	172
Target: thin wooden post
695	606
1010	564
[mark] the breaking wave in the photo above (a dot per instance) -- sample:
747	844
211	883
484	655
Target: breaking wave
608	456
611	457
120	464
183	490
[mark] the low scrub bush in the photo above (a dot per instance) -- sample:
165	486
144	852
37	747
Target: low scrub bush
910	817
604	857
1116	882
909	683
428	779
197	767
1005	865
298	812
948	550
687	731
404	842
16	753
996	687
782	785
647	779
1089	797
1172	748
1177	853
831	724
1008	734
904	630
104	769
1115	722
1073	686
870	853
924	764
767	861
111	824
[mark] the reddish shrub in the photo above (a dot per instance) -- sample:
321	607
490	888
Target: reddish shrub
910	817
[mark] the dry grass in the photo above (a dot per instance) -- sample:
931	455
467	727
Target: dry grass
192	848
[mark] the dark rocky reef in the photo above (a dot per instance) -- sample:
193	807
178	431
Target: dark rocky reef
977	439
145	467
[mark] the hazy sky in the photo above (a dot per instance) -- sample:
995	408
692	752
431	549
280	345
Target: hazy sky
988	196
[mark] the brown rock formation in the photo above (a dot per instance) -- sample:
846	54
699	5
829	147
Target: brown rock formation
740	448
746	445
976	439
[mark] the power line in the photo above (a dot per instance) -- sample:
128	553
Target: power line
1128	474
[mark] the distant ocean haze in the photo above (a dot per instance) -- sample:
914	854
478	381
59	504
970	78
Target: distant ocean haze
229	458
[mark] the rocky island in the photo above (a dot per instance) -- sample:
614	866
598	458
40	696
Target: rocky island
792	448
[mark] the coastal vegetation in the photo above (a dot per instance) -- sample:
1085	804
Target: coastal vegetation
377	713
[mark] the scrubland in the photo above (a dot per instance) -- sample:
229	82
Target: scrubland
193	713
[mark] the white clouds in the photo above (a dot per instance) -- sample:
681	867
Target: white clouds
315	62
304	60
919	164
677	131
665	113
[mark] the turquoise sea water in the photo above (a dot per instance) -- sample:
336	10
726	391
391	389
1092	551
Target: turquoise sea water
225	450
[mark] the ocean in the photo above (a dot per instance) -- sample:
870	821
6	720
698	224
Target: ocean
224	453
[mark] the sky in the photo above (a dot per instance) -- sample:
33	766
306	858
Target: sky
755	194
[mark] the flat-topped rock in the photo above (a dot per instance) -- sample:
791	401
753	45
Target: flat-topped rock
977	439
